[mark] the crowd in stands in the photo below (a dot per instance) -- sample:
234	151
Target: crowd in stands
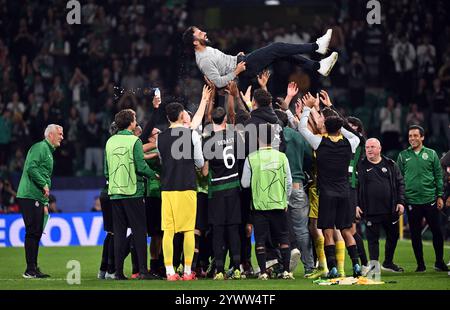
389	75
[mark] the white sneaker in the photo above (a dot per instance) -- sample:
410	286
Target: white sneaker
288	275
327	64
323	42
263	276
110	276
365	270
101	275
295	259
448	263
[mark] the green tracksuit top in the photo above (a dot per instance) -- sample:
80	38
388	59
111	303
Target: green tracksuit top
268	182
37	172
423	175
125	166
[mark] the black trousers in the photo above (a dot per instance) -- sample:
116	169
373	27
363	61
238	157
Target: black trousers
415	215
219	245
129	213
373	236
33	217
261	58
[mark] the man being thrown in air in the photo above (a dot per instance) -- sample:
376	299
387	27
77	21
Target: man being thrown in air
221	68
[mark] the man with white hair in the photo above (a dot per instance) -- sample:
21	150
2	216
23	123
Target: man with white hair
33	194
381	192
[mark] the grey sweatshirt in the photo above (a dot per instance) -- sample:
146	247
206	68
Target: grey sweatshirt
217	66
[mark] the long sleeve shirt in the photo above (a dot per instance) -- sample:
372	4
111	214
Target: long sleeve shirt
217	66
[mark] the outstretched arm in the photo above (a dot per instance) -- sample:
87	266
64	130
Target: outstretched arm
197	119
312	139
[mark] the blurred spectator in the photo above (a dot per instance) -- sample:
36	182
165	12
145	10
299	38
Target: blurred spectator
356	80
414	116
7	197
390	125
97	206
52	207
5	135
80	93
404	55
94	151
426	58
440	109
16	163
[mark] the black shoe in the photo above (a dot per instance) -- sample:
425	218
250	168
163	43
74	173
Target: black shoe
440	266
41	275
421	268
392	267
30	274
120	277
146	276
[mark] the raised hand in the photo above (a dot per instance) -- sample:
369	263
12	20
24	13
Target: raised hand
308	100
240	68
232	89
247	96
292	90
325	98
206	93
263	78
156	102
298	108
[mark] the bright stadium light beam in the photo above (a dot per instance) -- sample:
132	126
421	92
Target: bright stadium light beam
272	2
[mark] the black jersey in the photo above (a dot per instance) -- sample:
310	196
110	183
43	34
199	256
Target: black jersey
221	150
333	159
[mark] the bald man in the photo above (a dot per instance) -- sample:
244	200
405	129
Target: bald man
381	198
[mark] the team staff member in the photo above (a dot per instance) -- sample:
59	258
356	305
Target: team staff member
422	171
268	174
124	170
33	193
381	202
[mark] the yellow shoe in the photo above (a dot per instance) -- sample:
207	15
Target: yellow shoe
317	273
219	276
236	274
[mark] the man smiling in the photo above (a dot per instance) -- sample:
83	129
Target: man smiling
422	172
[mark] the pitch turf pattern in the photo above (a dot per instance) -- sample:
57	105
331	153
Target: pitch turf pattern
54	260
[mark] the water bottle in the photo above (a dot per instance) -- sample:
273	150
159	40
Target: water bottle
157	93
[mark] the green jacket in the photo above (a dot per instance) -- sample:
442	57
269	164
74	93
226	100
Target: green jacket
422	174
37	172
141	168
153	186
296	146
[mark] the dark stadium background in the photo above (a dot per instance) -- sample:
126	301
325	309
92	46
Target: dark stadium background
124	49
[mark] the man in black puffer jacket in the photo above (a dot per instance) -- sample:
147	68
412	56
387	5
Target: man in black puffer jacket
381	200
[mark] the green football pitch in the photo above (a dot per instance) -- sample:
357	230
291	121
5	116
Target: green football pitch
54	261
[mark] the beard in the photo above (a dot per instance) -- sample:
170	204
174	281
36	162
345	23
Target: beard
205	42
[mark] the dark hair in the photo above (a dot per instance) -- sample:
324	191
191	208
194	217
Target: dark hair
282	117
173	111
113	128
262	97
124	118
333	124
241	117
188	37
420	128
327	112
218	115
356	122
266	133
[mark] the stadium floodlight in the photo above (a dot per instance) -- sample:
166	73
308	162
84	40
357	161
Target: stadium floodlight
272	2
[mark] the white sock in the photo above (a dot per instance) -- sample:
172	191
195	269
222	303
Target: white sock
187	269
170	271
